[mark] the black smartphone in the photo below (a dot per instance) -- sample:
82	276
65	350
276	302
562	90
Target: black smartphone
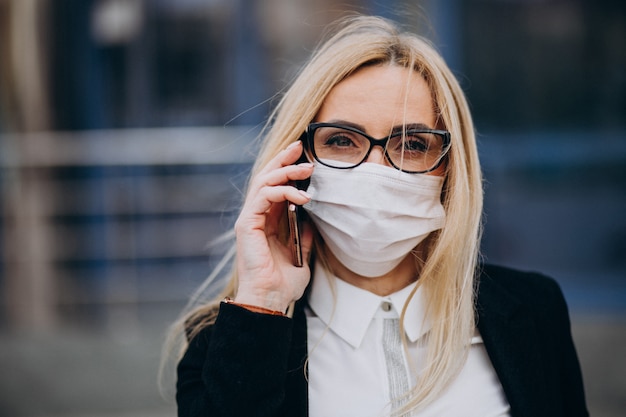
295	214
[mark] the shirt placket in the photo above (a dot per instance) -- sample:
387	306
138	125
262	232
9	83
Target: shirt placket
397	375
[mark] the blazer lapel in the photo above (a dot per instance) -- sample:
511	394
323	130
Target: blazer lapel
510	339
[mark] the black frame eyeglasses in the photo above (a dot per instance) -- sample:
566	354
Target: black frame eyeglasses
412	150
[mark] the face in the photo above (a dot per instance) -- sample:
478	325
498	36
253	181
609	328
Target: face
375	100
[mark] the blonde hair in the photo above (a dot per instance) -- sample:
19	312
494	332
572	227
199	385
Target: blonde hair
449	263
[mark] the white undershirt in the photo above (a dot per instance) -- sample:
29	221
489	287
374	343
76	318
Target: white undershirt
349	365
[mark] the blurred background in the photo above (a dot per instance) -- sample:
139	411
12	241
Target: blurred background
127	130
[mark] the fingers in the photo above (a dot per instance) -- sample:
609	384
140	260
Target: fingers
271	184
282	168
268	200
287	156
271	187
284	175
267	196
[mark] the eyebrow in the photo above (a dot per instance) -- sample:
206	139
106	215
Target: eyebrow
395	129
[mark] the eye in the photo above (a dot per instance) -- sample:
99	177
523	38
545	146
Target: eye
339	140
412	142
339	147
415	143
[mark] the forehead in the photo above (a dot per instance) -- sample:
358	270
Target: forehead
378	98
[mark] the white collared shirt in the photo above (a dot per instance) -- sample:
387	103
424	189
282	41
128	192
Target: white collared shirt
348	374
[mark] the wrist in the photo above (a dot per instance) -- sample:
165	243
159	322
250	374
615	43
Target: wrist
255	308
269	302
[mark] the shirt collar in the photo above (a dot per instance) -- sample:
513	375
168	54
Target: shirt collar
348	310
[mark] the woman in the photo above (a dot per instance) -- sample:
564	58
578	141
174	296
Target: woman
393	313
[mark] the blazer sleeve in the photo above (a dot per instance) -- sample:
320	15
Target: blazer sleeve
572	388
236	367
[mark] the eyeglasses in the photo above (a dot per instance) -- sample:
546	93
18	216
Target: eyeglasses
415	151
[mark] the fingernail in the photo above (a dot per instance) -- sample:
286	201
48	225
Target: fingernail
293	144
304	193
306	165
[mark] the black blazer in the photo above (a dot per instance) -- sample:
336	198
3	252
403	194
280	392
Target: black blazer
250	364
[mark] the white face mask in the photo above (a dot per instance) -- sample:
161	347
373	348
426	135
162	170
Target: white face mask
372	216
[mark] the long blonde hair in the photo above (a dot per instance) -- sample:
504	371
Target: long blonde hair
449	264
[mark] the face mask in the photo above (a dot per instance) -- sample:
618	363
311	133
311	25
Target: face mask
372	216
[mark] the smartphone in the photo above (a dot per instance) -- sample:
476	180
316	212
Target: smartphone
294	216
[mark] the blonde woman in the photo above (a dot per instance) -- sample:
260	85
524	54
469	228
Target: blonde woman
392	314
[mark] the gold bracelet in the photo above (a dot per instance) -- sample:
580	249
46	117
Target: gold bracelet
255	309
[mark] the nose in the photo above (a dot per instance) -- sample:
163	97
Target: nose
377	156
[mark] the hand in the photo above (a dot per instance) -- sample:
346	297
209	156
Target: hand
267	276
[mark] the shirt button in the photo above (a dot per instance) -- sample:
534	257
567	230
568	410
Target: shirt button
386	306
